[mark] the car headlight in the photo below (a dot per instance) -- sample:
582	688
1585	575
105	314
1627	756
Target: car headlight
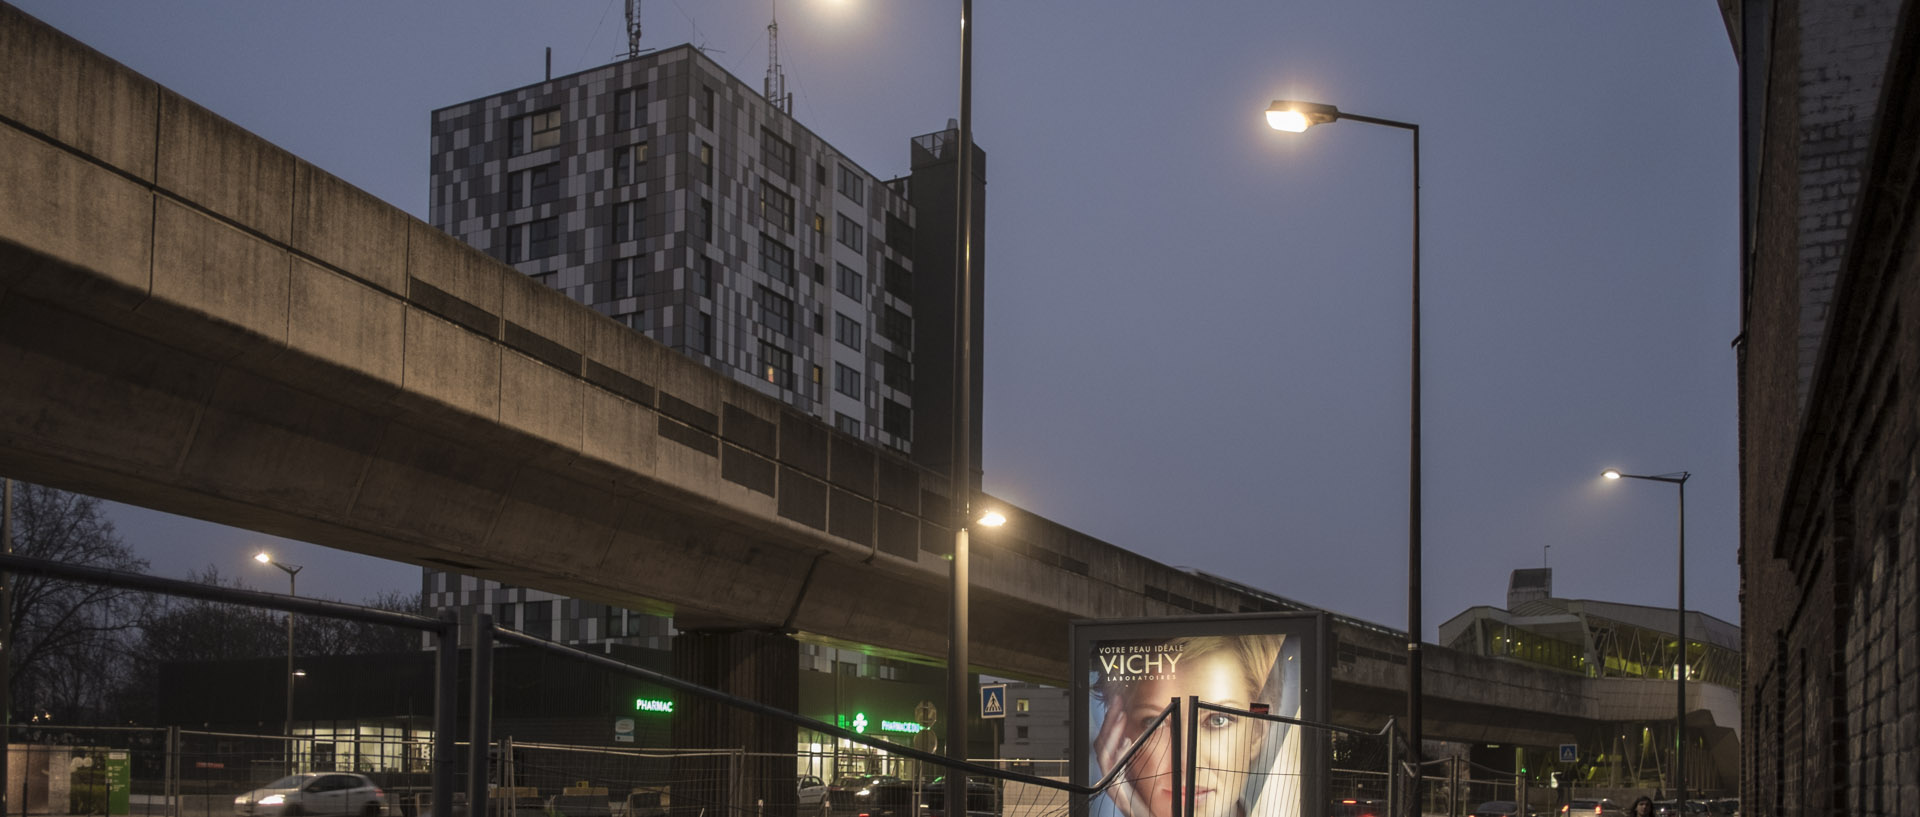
273	799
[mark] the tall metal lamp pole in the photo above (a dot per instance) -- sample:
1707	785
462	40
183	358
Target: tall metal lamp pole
1295	117
293	572
1678	478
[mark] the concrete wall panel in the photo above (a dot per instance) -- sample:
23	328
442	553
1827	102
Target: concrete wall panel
450	366
432	488
617	437
218	165
61	214
75	95
443	262
270	444
217	286
348	229
541	401
321	303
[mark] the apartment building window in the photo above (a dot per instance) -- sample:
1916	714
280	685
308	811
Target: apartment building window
846	424
814	383
706	162
703	221
776	310
535	131
820	174
847	380
701	337
630	108
851	185
628	162
776	207
535	239
896	327
776	259
506	614
776	153
849	282
897	373
898	279
628	278
706	107
899	235
703	278
850	233
776	365
1022	705
1019	733
537	619
847	331
896	419
629	220
535	185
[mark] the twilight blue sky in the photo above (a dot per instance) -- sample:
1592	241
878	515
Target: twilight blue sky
1196	327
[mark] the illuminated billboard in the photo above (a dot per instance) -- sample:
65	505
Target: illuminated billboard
1127	672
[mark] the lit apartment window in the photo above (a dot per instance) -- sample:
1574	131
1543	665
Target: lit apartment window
776	365
706	162
776	207
535	131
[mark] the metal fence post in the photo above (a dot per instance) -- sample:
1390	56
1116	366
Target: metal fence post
480	713
1189	727
446	711
170	786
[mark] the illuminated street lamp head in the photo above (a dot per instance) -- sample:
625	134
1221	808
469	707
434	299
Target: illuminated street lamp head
993	519
263	558
1611	473
1294	117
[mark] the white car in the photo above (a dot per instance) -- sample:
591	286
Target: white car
322	794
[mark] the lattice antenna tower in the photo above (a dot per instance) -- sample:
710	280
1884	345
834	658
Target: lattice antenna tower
633	28
776	86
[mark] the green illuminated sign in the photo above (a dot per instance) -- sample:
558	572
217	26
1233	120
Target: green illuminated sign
904	727
858	722
653	705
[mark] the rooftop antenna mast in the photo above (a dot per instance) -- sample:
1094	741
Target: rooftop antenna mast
633	28
776	87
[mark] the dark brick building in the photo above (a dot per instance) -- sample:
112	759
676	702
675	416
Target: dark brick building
1829	359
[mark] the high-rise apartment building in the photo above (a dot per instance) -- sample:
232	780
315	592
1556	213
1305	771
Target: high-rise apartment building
674	198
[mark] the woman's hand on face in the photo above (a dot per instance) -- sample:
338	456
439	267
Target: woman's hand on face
1110	745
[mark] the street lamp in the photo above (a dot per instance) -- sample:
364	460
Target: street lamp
1678	478
293	571
962	473
1294	116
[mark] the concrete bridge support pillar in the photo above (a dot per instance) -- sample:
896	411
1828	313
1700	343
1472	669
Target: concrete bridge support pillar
759	666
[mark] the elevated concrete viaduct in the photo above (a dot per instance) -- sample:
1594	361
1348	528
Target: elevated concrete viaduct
194	320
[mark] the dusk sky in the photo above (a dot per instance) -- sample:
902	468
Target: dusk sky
1196	327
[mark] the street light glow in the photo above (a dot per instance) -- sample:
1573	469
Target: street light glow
263	558
993	519
1294	117
1611	473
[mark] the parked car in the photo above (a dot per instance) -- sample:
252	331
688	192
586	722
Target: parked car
895	798
839	798
1601	807
811	793
1350	807
324	794
1500	808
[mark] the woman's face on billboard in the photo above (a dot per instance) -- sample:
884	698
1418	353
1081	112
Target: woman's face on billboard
1226	744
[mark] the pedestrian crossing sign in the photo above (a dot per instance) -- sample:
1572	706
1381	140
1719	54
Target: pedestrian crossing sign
993	700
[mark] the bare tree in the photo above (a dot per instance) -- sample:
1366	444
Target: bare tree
67	639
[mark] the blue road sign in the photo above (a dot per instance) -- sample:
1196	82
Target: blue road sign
993	700
1569	753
